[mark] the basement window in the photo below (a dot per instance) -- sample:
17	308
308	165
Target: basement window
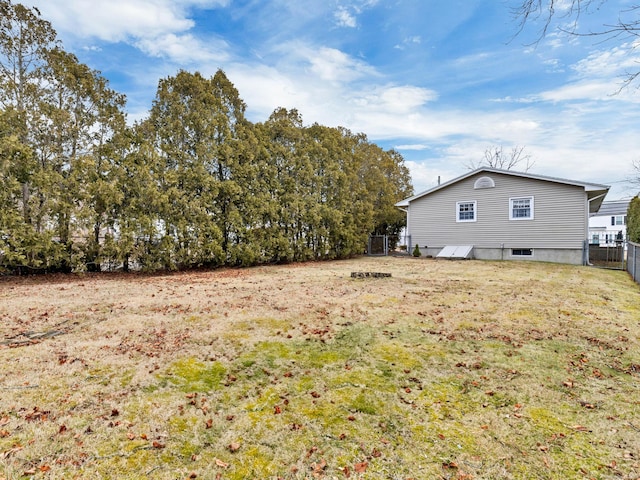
522	252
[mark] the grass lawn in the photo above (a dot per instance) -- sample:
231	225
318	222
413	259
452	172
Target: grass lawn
451	370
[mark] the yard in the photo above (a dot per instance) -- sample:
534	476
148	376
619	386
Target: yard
452	370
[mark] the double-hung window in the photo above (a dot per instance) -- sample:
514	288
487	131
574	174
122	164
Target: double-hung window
466	211
521	208
619	220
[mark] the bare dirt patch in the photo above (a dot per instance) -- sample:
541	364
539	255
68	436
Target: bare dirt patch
442	370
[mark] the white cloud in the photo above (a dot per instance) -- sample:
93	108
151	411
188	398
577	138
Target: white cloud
397	99
554	65
334	89
327	64
335	102
555	150
184	48
561	39
423	176
333	65
117	20
599	77
426	175
608	63
468	61
265	88
344	18
509	99
159	28
413	40
417	146
579	91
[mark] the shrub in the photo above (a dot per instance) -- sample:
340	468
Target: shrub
416	251
633	220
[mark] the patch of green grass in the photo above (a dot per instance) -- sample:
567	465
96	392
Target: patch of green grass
126	377
255	461
194	319
192	375
272	325
367	403
393	354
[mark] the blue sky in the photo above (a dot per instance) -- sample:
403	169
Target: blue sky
440	81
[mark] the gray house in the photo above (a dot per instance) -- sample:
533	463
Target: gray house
496	214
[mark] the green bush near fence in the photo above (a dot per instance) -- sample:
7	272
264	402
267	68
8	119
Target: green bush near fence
633	220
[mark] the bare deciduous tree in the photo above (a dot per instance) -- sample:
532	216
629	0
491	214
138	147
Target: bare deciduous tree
624	29
635	180
496	157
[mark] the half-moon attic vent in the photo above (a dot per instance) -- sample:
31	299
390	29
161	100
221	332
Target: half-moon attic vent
484	182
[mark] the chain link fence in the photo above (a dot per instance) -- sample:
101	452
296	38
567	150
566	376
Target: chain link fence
633	260
383	245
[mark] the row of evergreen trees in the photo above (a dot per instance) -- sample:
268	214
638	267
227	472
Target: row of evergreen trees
193	184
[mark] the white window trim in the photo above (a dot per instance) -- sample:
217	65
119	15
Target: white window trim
475	211
511	200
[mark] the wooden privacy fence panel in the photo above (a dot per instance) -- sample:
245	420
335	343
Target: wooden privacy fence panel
606	254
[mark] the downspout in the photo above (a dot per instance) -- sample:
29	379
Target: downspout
405	210
585	246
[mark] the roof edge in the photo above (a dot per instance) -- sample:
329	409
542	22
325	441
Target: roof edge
596	188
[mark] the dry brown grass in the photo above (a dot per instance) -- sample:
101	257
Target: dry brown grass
445	370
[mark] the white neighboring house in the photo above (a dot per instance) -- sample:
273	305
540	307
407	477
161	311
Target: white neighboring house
609	223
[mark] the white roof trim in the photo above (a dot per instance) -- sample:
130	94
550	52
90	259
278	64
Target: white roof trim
588	187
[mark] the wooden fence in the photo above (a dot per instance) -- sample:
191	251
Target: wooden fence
607	254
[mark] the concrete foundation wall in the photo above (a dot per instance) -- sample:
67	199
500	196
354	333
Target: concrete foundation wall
554	255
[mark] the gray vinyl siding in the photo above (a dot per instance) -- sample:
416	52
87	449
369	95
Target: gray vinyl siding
559	215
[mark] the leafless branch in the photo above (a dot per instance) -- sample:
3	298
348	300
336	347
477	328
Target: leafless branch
627	26
496	157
